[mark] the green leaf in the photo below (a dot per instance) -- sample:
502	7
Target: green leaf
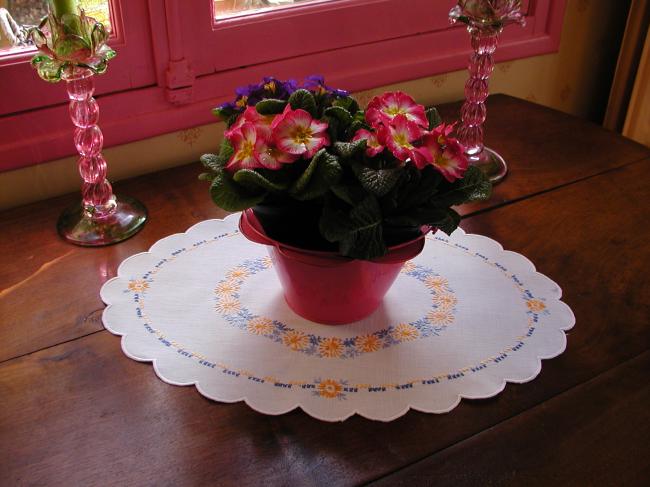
359	232
270	106
230	196
433	117
347	102
213	161
206	176
356	126
322	172
474	186
339	113
232	119
303	99
449	223
254	180
351	194
223	113
226	150
418	187
480	185
332	127
378	182
445	219
347	150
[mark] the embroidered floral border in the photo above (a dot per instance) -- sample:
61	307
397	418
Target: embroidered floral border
228	304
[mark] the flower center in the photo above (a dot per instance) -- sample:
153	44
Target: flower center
302	135
442	161
246	150
242	102
270	86
402	140
395	110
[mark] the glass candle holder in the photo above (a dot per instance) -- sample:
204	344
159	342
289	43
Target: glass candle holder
100	218
485	21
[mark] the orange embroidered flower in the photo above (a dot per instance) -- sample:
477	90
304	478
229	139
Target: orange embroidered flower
138	285
436	283
260	326
408	267
226	288
237	273
441	317
227	304
445	301
368	343
331	347
535	305
329	388
405	332
295	340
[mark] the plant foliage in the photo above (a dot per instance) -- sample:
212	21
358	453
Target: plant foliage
392	164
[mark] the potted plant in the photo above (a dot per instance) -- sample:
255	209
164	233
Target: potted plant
342	192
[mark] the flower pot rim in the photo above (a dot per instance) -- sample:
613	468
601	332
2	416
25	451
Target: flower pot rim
249	223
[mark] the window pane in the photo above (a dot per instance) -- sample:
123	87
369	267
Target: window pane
230	8
17	16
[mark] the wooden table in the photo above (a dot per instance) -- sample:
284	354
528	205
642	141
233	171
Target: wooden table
74	410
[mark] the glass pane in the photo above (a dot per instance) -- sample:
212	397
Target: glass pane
17	16
230	8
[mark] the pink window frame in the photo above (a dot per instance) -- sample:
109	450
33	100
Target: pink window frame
184	67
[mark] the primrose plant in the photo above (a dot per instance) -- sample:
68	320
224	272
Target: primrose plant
393	165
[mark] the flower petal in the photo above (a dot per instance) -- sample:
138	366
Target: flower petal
373	146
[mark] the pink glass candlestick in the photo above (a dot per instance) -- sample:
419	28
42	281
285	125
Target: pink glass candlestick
485	20
100	218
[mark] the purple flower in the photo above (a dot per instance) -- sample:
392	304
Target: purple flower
268	88
316	83
274	88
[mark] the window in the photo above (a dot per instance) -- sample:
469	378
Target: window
229	8
179	58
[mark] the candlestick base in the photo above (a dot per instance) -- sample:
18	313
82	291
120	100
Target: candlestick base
77	227
491	163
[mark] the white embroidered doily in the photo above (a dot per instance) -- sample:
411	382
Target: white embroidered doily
463	318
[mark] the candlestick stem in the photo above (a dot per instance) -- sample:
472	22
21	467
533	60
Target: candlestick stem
473	113
485	21
101	218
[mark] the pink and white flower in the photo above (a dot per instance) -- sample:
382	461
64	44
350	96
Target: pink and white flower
246	144
251	138
449	159
442	132
272	158
373	145
384	109
399	137
296	132
262	123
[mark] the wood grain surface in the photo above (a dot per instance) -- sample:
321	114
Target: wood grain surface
589	435
75	411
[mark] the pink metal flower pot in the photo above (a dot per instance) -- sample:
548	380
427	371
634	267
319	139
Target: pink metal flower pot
326	287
